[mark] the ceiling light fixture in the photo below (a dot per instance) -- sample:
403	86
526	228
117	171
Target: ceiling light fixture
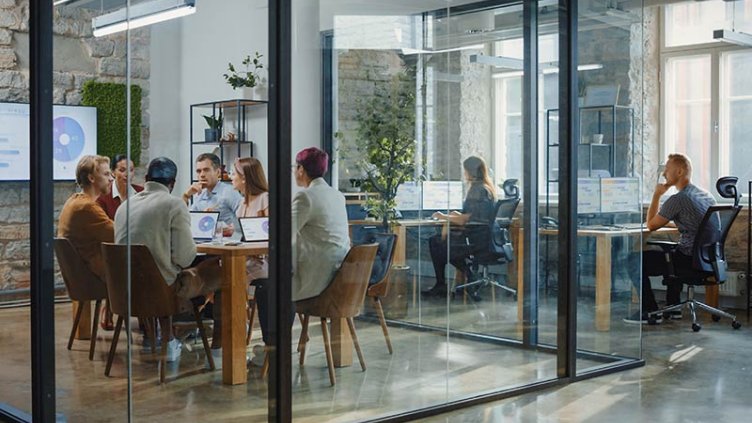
730	36
141	14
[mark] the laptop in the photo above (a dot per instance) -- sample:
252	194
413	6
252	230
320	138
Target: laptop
255	229
203	225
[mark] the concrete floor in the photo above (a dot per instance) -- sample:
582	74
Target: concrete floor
689	377
708	370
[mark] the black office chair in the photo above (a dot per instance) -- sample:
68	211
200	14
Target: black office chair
708	257
499	249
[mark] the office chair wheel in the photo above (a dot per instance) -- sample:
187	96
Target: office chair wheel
716	318
696	327
735	324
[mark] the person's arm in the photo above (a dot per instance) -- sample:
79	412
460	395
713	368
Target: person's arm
100	226
193	189
654	220
455	218
301	207
183	247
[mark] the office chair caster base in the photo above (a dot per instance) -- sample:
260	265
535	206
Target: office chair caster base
716	318
735	324
652	320
696	327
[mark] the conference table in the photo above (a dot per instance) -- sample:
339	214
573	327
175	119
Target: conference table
234	316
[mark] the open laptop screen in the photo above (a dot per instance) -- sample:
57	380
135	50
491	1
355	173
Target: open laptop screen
203	225
255	229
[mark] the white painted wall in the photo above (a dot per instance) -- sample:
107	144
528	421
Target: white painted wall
189	56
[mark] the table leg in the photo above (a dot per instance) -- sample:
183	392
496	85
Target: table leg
520	273
711	295
234	317
84	325
342	345
399	248
603	283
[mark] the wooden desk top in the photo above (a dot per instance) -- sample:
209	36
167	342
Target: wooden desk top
400	222
244	249
616	231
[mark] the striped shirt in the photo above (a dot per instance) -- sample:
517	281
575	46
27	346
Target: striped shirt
687	208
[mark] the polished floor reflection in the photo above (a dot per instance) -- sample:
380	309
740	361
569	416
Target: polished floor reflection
427	368
689	377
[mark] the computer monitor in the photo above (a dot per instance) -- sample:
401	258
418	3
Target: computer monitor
408	196
619	195
442	195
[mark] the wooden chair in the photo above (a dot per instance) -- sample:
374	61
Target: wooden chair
82	285
151	297
342	299
379	281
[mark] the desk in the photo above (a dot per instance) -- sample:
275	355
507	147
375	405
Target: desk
234	303
603	238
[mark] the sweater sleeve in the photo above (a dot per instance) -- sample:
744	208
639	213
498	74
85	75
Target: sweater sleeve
100	225
183	247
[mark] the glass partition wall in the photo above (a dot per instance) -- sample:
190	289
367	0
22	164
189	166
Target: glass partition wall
458	242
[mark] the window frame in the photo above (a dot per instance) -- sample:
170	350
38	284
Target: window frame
715	50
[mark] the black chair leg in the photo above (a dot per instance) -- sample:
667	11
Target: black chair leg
113	347
79	309
94	328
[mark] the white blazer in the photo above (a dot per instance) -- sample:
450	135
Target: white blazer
320	238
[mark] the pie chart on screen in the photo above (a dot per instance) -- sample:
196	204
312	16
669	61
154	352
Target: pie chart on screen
206	223
67	139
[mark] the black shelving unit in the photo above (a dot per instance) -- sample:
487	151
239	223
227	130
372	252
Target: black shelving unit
236	109
587	152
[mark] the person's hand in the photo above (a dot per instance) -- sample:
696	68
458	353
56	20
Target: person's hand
195	188
455	213
438	216
661	189
228	230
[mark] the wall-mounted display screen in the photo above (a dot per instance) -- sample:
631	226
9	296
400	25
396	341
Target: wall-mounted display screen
74	134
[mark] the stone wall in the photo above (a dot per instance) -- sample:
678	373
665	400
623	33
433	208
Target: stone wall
78	57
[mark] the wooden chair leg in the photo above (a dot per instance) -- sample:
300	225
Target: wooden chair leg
113	347
79	309
303	339
251	317
164	324
351	325
151	329
382	321
328	348
204	339
94	328
265	366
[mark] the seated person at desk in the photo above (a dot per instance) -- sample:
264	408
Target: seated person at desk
686	209
119	191
82	220
162	223
320	236
211	195
471	225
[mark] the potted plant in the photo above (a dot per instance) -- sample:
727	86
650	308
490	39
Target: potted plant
384	147
248	78
215	127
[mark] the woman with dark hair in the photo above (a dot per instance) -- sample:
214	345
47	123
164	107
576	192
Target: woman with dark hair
121	168
469	231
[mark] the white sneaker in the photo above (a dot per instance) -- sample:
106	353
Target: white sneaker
174	348
216	354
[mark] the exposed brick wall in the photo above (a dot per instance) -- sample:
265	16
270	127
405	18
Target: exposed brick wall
78	57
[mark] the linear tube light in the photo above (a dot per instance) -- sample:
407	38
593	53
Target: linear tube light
734	37
141	14
547	71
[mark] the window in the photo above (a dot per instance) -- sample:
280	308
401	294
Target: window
707	91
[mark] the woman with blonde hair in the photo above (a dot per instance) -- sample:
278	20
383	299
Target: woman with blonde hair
249	179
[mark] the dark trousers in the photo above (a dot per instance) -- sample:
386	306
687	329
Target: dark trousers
441	255
264	300
654	264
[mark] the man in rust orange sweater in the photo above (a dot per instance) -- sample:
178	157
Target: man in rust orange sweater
82	220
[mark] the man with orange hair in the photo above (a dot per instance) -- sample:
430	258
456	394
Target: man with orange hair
686	209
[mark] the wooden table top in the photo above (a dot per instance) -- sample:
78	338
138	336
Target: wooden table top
242	249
